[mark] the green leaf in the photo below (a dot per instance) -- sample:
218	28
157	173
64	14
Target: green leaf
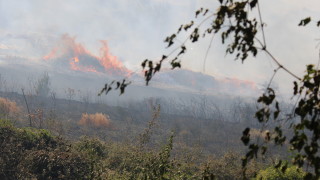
143	64
305	21
278	164
295	88
276	114
175	64
284	168
245	136
253	3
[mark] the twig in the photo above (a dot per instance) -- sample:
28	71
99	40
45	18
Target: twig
205	57
276	61
262	24
25	99
274	74
280	65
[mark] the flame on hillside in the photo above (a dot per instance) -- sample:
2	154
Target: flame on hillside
235	85
239	83
51	55
81	59
75	66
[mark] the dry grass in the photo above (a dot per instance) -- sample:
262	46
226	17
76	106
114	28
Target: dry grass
9	109
95	120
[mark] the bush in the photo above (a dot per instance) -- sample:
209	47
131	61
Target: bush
92	147
43	164
229	167
272	173
95	120
35	153
9	109
15	143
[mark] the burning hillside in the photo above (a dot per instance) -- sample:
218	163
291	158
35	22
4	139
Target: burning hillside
78	58
71	64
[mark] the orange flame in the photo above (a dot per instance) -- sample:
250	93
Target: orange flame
241	85
107	60
76	67
51	55
107	63
76	59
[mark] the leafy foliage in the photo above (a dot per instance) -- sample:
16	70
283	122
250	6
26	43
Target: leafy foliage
304	142
305	21
119	86
32	153
272	173
42	164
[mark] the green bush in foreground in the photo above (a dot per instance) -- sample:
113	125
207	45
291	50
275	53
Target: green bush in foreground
28	153
272	173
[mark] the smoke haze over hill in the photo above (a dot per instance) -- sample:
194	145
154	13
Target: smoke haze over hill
71	65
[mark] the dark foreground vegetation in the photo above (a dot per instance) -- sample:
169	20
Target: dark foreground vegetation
29	153
123	143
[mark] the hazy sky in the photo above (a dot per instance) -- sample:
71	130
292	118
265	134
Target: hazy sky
135	30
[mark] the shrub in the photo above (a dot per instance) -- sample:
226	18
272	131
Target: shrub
15	143
92	147
28	153
9	109
272	173
95	120
55	164
228	167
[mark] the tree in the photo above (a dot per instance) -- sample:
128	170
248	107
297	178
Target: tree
238	27
43	85
70	93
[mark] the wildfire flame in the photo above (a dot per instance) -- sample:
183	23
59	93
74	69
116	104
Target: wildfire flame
81	59
51	55
74	66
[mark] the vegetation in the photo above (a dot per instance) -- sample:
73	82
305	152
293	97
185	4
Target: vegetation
38	154
135	148
96	120
35	153
43	85
9	110
272	173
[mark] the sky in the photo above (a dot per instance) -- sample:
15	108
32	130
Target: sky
135	30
